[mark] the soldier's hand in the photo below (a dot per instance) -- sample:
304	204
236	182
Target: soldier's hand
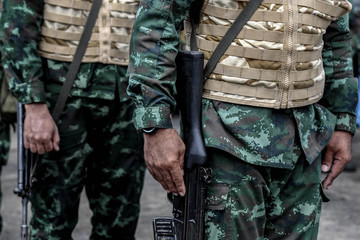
40	131
164	156
337	155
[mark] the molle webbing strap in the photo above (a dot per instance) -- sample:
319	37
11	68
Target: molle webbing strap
260	54
320	6
80	21
71	36
91	58
255	34
230	35
75	64
65	50
90	51
265	74
265	16
62	18
82	5
262	92
323	6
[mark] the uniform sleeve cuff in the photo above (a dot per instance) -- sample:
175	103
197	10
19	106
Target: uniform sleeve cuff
29	93
159	117
346	122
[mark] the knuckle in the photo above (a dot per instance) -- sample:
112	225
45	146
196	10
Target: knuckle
29	136
37	137
178	181
168	179
168	165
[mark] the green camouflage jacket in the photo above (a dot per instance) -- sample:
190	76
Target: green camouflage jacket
261	136
29	75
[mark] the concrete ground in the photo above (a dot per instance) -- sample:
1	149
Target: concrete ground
340	218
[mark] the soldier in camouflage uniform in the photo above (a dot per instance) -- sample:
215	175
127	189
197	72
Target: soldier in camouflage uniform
271	119
95	145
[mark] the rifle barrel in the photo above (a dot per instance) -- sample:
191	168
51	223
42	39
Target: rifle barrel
20	147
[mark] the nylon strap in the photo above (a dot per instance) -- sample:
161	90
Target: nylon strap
230	35
75	64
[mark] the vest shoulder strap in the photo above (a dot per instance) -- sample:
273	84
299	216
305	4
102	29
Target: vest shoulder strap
230	35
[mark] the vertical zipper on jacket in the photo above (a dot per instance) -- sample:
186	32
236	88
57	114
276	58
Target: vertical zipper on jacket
104	32
289	50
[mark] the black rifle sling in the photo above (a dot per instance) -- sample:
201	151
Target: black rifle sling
75	64
230	35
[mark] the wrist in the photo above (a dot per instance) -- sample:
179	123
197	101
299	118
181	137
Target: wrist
36	108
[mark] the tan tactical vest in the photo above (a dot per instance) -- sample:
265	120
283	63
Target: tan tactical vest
64	21
276	60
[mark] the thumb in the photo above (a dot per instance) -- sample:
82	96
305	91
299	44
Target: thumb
327	161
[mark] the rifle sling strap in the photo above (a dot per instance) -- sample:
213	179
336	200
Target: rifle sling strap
229	36
75	64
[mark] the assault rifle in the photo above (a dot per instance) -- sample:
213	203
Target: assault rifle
188	211
26	166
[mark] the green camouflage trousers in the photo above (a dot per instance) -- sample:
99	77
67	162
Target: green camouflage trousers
100	151
4	152
250	202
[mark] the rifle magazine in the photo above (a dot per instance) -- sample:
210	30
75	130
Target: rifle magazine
164	228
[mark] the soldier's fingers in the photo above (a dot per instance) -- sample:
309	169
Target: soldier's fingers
27	139
32	147
157	175
56	140
327	182
336	169
26	143
165	186
169	182
48	146
40	148
178	180
327	161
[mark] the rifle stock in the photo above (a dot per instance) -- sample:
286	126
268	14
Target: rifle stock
188	211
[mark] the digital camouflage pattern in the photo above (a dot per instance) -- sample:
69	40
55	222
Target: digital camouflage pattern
95	155
99	147
20	33
257	135
252	202
261	137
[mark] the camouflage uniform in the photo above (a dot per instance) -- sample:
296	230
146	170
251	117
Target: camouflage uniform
99	148
260	156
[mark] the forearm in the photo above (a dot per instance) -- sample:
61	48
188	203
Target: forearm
20	32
